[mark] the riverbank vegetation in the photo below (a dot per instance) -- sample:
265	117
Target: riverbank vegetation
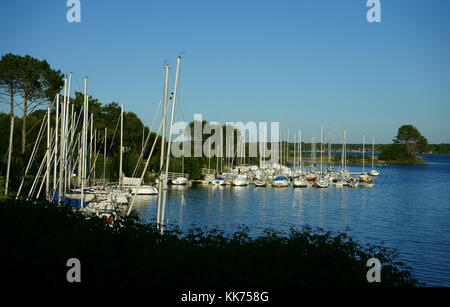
407	142
38	238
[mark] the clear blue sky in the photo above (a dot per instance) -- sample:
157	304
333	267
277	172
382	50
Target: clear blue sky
301	62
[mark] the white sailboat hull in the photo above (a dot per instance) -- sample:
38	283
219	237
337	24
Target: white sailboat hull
240	182
297	183
144	190
374	172
180	181
280	183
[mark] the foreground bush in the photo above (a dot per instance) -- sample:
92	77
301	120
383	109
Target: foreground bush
37	239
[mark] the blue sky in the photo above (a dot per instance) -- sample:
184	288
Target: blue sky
300	62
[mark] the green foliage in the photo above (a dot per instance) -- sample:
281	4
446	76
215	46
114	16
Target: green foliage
410	137
439	148
397	152
9	81
40	237
32	79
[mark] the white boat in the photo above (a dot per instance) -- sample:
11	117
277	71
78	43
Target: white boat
373	172
118	197
209	178
260	183
240	181
219	181
300	182
144	190
134	184
322	183
366	184
280	182
180	181
353	184
340	183
365	178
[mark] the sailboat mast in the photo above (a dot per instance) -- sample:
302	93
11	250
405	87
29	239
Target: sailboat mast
163	136
345	150
91	141
329	147
47	173
104	156
373	148
55	166
121	145
84	141
321	146
170	140
363	154
66	135
295	151
11	133
300	145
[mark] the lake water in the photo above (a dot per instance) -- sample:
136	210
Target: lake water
408	209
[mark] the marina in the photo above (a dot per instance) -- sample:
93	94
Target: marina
407	209
248	145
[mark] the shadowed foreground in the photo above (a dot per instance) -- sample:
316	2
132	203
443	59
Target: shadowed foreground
38	238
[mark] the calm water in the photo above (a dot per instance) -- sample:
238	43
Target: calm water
408	209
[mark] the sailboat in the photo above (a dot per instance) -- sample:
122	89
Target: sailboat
240	180
373	172
322	183
181	180
300	182
364	176
134	185
260	183
280	181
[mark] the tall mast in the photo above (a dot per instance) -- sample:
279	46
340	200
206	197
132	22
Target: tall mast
47	174
55	165
163	136
166	177
61	141
313	145
373	148
363	154
91	141
300	145
321	146
121	145
329	147
66	134
84	142
345	150
95	154
295	151
11	133
104	156
70	154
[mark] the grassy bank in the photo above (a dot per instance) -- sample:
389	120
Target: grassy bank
38	238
